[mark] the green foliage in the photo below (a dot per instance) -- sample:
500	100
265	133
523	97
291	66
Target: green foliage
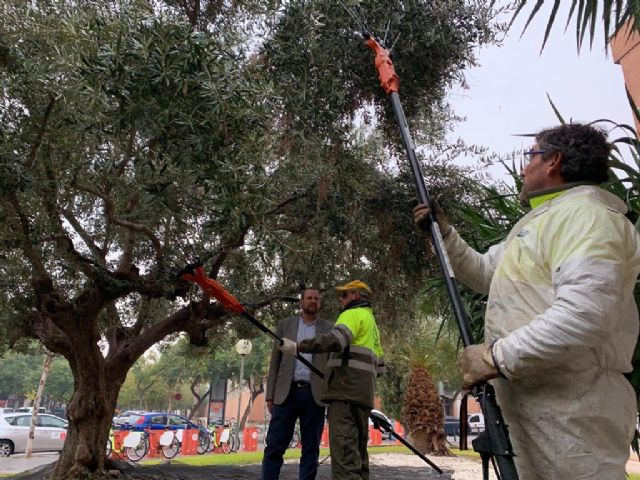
327	72
585	13
155	379
20	375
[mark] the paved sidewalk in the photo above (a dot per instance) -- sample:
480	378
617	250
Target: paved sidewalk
20	463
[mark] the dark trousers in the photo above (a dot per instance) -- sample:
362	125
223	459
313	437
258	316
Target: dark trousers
299	404
348	436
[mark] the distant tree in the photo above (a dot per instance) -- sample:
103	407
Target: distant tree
59	382
16	372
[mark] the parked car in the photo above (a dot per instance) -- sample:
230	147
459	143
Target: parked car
476	422
452	426
161	421
50	433
30	410
59	412
128	416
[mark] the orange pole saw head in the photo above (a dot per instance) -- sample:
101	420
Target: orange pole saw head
214	289
389	80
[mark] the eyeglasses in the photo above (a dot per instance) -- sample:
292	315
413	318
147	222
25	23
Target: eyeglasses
526	156
534	152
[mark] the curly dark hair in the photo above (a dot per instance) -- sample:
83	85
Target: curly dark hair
585	151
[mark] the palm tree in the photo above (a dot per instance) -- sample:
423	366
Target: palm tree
430	353
585	13
423	413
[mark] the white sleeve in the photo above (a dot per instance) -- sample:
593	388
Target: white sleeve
473	269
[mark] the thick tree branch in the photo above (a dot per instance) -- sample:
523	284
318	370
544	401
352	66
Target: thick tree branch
280	206
86	238
223	253
131	226
192	11
33	154
132	139
63	241
24	230
126	259
193	319
51	336
65	247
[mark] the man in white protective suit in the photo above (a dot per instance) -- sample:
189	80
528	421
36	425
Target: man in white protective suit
561	321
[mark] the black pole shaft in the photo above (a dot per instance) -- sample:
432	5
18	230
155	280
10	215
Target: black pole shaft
415	450
271	333
434	229
495	439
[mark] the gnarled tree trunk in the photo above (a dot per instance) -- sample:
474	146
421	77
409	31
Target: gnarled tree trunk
90	413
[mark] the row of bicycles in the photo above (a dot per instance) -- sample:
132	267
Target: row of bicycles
137	444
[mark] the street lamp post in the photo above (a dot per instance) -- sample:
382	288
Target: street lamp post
243	347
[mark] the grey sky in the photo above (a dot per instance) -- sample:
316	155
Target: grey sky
508	92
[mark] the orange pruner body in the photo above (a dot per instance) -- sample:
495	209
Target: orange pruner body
388	78
214	289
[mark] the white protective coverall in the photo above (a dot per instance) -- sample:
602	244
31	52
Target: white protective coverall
562	312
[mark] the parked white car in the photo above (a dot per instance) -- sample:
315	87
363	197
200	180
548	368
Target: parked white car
50	433
476	423
30	410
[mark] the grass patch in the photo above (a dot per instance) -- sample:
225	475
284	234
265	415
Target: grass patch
252	458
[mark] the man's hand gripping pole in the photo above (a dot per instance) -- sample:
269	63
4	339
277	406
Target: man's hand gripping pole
493	444
196	274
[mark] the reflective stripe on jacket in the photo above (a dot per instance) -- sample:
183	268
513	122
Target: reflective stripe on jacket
356	358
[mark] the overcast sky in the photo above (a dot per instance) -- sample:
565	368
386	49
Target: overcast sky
508	92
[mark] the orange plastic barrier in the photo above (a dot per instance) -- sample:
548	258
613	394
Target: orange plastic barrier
375	436
399	429
154	441
324	439
250	438
189	442
118	440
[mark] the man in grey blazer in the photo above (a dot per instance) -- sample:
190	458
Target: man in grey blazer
293	392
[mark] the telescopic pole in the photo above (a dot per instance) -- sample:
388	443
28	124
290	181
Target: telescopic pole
493	444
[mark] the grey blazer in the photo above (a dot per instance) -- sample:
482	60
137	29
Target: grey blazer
281	366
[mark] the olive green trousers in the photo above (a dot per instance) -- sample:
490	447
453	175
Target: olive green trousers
348	436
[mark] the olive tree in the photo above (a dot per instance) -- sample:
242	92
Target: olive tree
136	137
